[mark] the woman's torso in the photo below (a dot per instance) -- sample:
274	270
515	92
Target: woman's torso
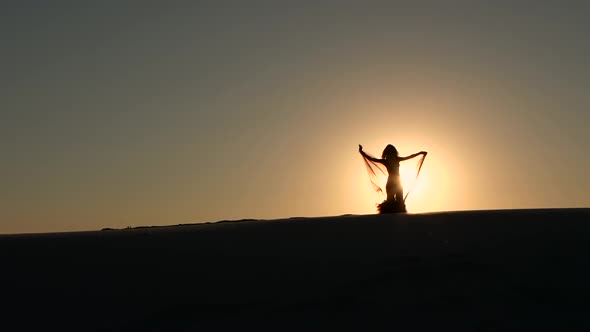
392	166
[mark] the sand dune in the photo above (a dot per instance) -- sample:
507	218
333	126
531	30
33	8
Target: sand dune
472	270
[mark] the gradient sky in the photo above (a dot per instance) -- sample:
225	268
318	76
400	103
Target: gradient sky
126	113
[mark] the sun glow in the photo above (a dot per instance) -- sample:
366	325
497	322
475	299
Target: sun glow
418	187
441	185
415	186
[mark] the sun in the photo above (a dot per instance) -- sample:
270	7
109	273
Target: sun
418	191
415	186
408	177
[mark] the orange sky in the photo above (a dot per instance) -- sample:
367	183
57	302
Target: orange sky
118	116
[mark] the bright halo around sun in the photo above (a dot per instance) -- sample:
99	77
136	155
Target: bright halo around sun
415	187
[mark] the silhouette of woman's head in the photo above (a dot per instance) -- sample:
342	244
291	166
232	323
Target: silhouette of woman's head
389	152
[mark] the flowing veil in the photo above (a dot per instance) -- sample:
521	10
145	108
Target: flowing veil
418	168
374	169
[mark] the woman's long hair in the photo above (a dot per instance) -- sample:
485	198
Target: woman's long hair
389	151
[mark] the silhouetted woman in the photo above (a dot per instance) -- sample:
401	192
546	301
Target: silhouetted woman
395	192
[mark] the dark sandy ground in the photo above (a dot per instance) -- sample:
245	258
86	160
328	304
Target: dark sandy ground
505	270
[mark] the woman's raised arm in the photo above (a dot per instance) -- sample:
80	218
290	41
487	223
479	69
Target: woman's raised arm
375	160
413	155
